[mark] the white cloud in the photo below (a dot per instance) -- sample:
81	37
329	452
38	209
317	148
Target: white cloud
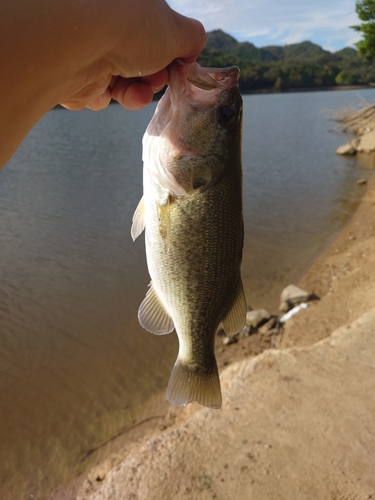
277	22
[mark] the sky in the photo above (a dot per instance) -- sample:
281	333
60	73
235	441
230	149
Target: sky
278	22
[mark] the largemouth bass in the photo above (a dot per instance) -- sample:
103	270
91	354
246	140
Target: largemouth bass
192	214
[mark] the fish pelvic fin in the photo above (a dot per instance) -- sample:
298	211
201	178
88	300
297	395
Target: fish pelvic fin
138	220
152	314
188	383
235	320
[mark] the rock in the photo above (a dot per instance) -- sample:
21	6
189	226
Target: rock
360	182
245	332
284	307
291	296
354	142
267	327
367	143
257	317
350	148
346	149
230	340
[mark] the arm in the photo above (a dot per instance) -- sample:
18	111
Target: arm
80	53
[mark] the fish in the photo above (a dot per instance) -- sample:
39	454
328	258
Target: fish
191	211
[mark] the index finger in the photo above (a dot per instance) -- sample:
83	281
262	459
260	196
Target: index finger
191	38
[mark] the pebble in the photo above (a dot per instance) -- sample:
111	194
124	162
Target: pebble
257	317
230	340
245	332
291	296
346	149
266	328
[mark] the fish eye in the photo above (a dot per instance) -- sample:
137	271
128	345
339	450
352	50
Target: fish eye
226	115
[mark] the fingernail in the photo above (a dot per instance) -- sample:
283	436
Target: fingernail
157	89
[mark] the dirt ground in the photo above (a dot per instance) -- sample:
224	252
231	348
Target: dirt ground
298	421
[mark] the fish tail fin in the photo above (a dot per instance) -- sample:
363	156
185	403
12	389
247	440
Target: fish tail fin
188	383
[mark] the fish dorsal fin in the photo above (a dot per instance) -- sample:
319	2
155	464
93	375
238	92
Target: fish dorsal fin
152	315
235	320
138	220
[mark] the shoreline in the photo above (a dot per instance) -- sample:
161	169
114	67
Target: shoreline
306	89
342	276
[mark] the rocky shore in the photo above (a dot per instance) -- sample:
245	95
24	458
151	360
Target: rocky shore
297	420
362	124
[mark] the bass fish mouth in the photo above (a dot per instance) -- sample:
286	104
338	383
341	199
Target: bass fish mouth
218	78
192	78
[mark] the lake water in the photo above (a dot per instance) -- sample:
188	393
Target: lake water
76	369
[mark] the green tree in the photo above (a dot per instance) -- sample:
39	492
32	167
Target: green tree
366	12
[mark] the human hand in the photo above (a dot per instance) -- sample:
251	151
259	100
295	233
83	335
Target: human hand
141	58
82	54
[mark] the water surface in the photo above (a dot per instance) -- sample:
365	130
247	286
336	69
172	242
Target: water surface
75	366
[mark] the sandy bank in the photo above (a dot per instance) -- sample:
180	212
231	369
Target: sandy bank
297	422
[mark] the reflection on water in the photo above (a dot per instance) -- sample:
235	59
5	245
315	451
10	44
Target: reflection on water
75	366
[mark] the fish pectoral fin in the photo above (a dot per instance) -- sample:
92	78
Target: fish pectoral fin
187	384
152	315
138	220
164	216
235	320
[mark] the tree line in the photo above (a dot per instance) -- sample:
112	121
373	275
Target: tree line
296	66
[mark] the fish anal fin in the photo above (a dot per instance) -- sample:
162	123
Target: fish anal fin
187	384
235	320
138	220
153	316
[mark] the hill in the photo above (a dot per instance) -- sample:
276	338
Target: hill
295	66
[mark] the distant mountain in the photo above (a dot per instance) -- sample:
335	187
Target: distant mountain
272	53
303	50
218	40
347	53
